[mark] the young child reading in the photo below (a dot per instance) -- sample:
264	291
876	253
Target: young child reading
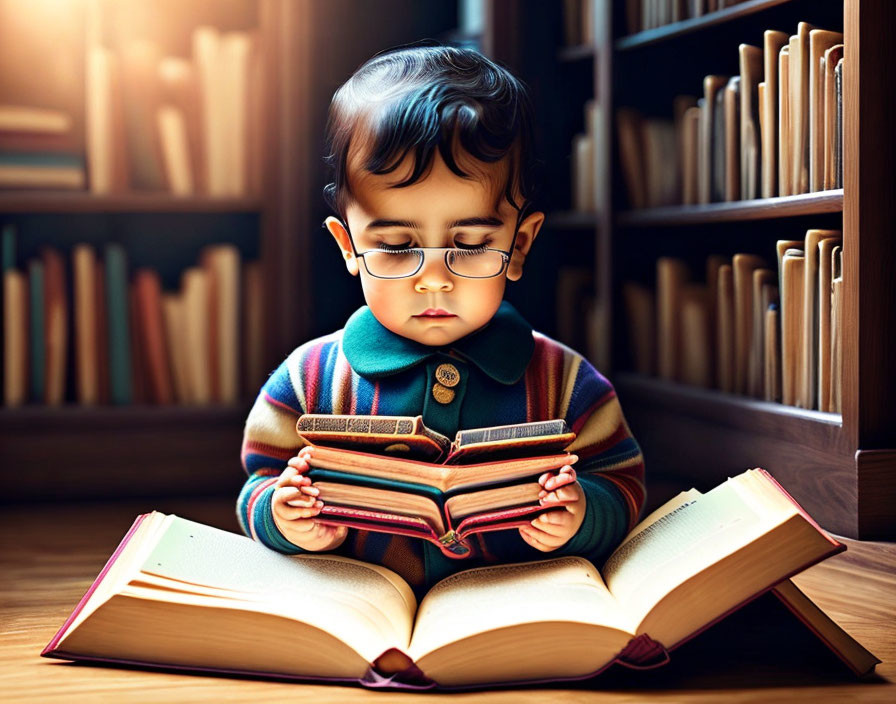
432	152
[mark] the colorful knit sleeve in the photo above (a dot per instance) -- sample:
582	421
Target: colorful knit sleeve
269	440
610	468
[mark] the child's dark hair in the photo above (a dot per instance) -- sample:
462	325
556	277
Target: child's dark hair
420	97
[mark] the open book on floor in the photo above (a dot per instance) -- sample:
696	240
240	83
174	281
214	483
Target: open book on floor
179	594
392	474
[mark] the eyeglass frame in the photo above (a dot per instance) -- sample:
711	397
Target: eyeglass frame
507	255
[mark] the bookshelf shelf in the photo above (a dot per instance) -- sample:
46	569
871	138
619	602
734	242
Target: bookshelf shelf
736	211
82	202
570	54
698	24
80	452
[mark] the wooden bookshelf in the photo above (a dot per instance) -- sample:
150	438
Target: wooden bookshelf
74	452
842	468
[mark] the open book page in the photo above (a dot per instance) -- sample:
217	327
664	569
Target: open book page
366	606
127	564
497	603
694	537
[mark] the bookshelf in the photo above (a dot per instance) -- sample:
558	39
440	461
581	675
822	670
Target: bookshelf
842	468
74	452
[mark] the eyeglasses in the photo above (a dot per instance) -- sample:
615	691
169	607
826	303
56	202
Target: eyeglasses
469	263
479	263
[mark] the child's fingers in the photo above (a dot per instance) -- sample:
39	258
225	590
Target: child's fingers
566	476
285	477
290	513
555	523
539	540
310	490
299	463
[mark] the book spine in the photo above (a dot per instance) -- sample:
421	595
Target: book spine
117	304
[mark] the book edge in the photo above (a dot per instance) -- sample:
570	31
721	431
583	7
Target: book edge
51	650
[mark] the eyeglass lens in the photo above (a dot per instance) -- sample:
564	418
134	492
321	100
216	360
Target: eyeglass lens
477	263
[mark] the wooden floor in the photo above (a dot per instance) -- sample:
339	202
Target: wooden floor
49	555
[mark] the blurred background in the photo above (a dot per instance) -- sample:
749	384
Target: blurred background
161	176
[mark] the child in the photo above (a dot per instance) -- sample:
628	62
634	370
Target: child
433	158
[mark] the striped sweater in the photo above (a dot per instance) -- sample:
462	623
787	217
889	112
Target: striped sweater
508	374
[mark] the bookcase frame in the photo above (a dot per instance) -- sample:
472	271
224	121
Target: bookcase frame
842	468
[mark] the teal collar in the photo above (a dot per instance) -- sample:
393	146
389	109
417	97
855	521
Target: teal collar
502	349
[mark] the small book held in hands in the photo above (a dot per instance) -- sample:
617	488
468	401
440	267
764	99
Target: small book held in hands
179	594
393	474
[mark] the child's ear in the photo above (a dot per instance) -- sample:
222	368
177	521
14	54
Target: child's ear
340	234
525	236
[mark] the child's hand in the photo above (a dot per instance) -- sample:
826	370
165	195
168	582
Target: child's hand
553	529
294	506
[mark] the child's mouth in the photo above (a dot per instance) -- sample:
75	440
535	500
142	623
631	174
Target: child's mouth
435	313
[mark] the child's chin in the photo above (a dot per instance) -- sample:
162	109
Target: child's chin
436	335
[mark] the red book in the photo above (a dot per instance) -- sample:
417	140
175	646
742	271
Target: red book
152	337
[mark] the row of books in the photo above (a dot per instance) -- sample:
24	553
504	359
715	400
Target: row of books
41	135
151	122
584	153
747	329
578	22
36	149
773	130
185	125
115	338
641	15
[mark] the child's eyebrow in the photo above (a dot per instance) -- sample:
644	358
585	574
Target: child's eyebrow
484	221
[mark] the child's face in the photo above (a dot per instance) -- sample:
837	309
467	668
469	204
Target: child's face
433	306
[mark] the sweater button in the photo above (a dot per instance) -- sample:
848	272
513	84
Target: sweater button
442	394
447	375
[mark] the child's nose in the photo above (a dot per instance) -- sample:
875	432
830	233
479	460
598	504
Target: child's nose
434	276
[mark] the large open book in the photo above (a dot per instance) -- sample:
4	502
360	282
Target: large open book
392	474
180	594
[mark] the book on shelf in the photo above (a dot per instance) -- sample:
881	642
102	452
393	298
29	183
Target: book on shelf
836	392
793	272
393	474
15	323
728	154
174	585
772	359
696	346
743	266
751	66
831	137
820	41
772	42
725	323
671	277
